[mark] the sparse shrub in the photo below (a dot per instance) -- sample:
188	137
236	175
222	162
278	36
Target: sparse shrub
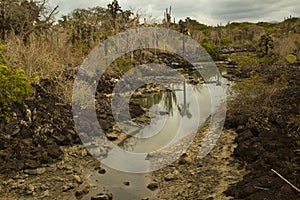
255	93
212	50
225	41
123	64
266	44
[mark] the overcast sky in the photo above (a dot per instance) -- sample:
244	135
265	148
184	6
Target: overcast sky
210	12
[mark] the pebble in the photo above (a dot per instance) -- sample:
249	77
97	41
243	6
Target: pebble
46	193
79	193
78	179
68	187
102	196
101	171
172	176
152	186
30	189
126	183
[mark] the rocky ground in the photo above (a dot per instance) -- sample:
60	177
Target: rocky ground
269	139
32	137
192	177
42	156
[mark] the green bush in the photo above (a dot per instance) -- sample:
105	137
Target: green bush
123	64
212	50
225	41
291	59
14	87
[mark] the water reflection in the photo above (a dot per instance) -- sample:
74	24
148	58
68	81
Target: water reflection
174	115
166	99
184	108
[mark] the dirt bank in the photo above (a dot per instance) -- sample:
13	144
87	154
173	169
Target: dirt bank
269	139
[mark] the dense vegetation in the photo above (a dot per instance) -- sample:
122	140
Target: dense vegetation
67	42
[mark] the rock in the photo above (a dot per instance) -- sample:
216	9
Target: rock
152	186
78	179
172	176
102	196
79	193
126	183
68	187
112	136
32	164
54	151
16	131
9	181
40	171
21	176
186	160
23	123
46	193
101	171
84	153
29	189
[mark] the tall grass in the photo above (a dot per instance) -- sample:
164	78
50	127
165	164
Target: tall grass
48	58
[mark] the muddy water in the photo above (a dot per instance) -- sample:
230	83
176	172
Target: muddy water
173	115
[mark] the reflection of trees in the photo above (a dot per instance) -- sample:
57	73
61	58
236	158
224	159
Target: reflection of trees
166	98
184	108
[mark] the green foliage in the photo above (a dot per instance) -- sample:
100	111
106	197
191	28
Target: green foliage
85	26
251	62
225	41
291	59
23	17
195	25
14	87
244	60
268	60
123	64
266	43
212	50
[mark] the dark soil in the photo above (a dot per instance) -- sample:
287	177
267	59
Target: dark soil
270	140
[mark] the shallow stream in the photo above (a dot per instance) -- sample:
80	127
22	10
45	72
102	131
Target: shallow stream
173	115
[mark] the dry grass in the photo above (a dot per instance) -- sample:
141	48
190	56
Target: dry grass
47	58
285	46
37	58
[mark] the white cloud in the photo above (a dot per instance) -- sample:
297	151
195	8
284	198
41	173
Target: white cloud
205	11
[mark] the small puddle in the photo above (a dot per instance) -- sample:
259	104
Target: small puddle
172	115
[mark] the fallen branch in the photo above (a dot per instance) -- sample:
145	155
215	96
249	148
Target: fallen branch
297	189
261	188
